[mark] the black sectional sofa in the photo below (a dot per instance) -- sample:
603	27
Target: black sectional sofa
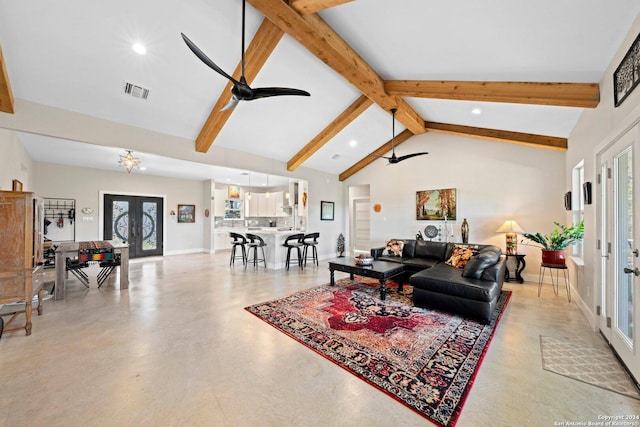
471	291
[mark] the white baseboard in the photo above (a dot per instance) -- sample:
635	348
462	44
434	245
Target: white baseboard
186	251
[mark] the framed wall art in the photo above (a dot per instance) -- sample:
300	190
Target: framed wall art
233	192
17	185
627	75
186	213
436	204
326	211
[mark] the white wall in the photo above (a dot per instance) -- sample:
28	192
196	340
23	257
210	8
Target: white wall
15	163
594	130
494	181
85	185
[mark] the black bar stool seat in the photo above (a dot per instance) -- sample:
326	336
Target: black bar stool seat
238	241
294	241
311	241
256	242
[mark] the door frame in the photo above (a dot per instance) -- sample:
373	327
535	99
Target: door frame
626	125
127	193
632	128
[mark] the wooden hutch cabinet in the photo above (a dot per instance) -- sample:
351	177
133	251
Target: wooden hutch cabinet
21	253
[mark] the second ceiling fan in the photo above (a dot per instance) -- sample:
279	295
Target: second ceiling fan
393	159
241	91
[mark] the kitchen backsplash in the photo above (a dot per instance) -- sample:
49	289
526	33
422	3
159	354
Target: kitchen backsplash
278	222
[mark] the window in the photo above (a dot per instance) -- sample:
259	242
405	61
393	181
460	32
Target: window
577	204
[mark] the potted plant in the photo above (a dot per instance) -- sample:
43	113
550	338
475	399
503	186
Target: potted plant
554	243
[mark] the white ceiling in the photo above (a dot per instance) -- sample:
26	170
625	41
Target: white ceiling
76	55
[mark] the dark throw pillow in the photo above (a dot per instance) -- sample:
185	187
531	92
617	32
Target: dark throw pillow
478	263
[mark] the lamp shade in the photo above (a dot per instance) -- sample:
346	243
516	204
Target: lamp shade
510	226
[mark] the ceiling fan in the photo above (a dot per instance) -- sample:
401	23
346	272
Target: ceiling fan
394	159
241	91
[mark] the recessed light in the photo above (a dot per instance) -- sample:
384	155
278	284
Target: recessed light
139	48
353	143
142	168
476	111
228	179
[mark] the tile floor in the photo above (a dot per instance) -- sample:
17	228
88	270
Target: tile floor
178	349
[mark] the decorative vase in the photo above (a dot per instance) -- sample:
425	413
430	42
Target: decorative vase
553	257
464	230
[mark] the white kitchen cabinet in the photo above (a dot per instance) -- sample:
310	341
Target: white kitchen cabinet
221	241
218	202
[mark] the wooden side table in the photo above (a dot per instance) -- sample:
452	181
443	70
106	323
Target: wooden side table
520	265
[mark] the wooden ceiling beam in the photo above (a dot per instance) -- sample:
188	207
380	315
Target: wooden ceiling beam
584	95
540	141
381	151
264	42
340	122
306	7
6	96
321	40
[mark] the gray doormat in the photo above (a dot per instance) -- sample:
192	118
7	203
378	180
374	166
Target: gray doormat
589	363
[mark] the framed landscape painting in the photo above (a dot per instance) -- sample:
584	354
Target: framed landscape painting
436	204
186	213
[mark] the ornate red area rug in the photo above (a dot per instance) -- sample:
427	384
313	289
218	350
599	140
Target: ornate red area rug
425	359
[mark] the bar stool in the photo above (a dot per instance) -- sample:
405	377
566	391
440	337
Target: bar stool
294	242
238	240
311	241
555	285
256	242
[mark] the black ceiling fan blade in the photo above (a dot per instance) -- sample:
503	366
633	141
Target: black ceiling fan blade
264	92
408	156
204	58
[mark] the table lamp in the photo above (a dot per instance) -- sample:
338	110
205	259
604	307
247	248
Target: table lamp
511	228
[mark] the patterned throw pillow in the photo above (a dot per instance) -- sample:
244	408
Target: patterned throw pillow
393	248
461	255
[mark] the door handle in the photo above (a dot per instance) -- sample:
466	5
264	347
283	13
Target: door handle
635	271
636	253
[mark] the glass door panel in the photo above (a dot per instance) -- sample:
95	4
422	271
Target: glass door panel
135	220
623	189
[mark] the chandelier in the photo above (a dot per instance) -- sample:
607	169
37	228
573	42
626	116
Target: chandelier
129	161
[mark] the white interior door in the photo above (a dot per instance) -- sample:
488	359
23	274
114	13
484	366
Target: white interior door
621	270
361	225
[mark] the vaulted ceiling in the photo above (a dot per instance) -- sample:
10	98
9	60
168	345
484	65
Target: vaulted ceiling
529	67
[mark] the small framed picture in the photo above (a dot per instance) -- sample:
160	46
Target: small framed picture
326	211
233	192
186	213
17	185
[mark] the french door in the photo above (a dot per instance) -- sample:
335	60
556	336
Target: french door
619	240
136	220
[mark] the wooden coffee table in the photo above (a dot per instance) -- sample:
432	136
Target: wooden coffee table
381	270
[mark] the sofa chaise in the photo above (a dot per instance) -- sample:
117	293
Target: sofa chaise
463	279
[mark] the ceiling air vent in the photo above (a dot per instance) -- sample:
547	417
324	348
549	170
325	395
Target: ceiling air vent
136	91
